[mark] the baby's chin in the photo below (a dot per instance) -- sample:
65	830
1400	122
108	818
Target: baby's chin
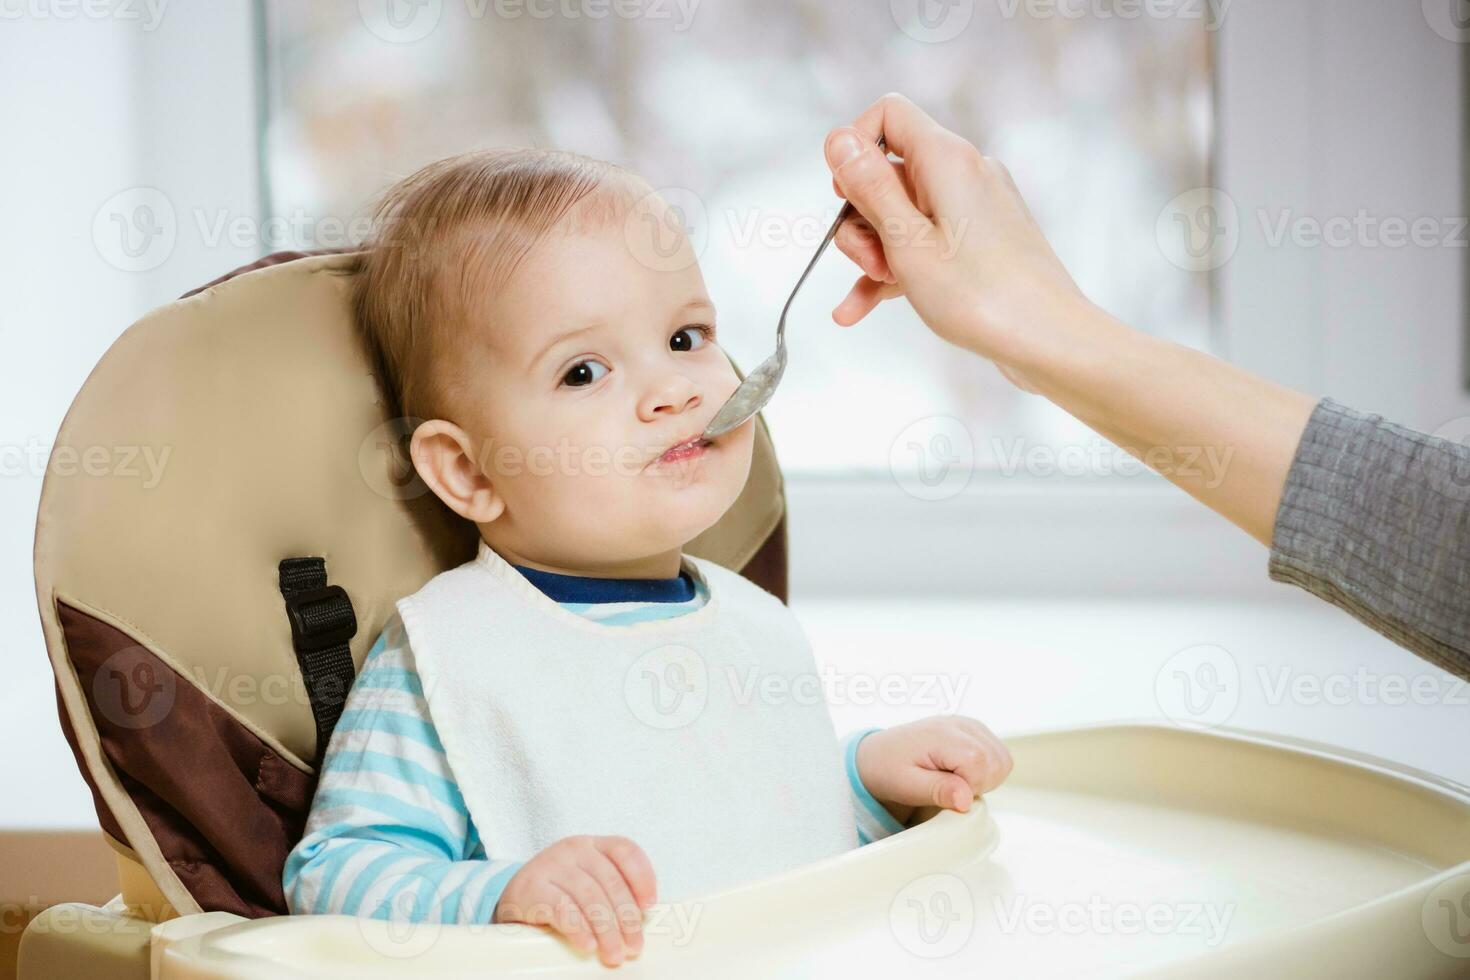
682	514
703	489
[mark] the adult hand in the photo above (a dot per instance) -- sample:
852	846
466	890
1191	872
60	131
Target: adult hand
950	231
948	228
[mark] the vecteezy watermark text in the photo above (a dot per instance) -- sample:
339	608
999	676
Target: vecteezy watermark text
407	21
144	463
943	693
1210	12
1098	916
149	13
1101	458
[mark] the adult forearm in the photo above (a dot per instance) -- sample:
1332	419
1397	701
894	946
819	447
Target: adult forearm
1220	433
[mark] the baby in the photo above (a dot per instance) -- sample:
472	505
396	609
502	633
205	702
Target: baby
576	722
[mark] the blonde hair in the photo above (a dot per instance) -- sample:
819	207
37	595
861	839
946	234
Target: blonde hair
444	235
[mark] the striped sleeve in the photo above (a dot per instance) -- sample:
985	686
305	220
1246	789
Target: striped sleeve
874	822
388	835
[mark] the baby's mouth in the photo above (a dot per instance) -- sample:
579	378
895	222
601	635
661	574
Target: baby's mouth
688	449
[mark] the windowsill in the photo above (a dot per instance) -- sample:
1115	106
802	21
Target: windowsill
1028	664
1015	536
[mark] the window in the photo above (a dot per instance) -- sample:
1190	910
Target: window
1101	116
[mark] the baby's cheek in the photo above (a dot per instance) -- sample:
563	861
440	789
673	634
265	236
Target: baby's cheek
744	449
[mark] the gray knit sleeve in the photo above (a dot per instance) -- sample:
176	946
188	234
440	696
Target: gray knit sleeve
1375	518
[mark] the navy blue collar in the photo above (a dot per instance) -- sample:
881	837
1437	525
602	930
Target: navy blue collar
585	588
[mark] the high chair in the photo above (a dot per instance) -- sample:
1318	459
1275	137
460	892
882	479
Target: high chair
203	629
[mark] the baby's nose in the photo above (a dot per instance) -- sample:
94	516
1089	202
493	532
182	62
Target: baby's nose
680	405
673	397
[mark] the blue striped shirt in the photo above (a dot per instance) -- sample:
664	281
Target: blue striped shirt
389	835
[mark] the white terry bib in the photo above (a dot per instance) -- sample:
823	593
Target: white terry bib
697	737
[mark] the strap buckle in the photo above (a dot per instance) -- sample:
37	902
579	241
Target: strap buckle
320	618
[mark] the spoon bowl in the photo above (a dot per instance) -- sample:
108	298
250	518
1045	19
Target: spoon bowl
759	385
752	395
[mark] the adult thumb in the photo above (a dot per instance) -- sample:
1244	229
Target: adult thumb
867	179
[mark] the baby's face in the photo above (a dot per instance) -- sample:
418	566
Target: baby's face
591	365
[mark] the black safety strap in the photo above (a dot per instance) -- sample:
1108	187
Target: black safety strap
322	621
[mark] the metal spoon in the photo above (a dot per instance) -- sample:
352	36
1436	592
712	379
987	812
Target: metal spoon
759	385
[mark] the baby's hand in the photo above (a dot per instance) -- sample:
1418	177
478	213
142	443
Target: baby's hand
944	761
584	887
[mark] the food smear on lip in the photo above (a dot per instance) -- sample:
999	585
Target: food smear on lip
685	450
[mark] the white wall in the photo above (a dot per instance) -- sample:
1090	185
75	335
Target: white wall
1329	107
94	107
72	141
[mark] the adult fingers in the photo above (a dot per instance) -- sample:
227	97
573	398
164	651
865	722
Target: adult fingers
867	179
903	175
858	241
906	128
862	298
938	163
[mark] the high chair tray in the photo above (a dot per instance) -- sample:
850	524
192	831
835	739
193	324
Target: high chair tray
1117	850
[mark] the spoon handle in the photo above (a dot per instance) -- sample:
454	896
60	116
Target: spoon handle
847	211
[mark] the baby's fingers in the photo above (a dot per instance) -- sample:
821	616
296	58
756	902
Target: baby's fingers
1002	759
977	760
633	863
590	922
1000	756
629	915
543	903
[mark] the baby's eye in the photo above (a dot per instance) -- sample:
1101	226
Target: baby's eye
583	373
706	334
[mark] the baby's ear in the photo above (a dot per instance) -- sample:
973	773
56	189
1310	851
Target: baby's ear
446	460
